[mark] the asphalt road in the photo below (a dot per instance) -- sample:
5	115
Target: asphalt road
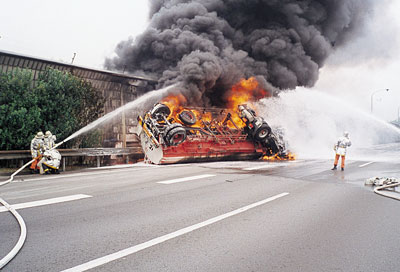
265	216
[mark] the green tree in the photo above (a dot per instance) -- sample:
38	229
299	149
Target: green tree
57	101
68	103
19	110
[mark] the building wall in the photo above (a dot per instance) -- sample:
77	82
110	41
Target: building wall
118	89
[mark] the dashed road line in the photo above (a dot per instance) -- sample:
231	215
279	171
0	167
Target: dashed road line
46	202
365	164
171	181
128	251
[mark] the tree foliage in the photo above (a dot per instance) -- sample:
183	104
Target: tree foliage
56	101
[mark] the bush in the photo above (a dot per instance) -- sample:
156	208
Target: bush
58	101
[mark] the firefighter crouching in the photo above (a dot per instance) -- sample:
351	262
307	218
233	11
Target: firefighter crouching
50	163
37	148
340	149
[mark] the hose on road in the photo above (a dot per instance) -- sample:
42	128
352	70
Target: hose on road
377	190
15	173
20	220
22	237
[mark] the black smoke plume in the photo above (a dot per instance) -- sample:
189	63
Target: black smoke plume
206	46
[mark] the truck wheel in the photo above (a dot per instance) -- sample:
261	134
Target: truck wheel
160	109
176	136
262	132
170	127
187	117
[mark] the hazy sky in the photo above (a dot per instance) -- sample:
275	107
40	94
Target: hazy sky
55	30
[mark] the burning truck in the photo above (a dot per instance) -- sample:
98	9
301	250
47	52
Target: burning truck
193	134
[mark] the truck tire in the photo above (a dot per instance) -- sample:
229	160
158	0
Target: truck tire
170	127
188	117
175	136
262	132
160	109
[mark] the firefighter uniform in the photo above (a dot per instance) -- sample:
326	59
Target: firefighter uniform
50	163
37	148
340	149
49	140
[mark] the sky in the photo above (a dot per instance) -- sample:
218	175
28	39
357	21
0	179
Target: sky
55	30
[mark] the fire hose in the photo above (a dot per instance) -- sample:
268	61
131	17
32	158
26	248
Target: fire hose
4	261
377	190
22	237
382	184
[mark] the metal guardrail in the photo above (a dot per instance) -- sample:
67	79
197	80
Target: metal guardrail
87	152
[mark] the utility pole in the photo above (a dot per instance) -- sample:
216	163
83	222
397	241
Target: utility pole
73	58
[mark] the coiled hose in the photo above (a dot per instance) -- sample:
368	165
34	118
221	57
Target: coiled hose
377	190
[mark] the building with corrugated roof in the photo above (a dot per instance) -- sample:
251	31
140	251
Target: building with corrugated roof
117	88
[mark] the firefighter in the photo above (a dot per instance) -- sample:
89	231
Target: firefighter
37	148
340	150
50	162
49	140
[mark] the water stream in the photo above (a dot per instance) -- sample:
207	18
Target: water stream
313	121
141	103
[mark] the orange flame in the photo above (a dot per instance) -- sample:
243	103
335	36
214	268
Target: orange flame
175	102
289	157
245	91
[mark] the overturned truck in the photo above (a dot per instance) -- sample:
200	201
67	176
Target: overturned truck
206	134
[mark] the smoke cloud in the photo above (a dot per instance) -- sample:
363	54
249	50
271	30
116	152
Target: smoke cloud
206	46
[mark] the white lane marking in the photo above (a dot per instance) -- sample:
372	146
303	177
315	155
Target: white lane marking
128	251
184	179
365	164
46	202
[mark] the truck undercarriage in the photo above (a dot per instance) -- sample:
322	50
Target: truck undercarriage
206	134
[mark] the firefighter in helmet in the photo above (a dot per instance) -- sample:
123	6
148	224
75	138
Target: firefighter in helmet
37	148
340	148
49	140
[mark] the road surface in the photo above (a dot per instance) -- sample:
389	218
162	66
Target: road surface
224	216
